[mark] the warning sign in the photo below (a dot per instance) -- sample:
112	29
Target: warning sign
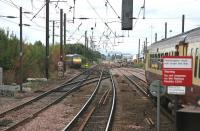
177	71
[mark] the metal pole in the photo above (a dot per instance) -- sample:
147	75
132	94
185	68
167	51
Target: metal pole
61	34
146	45
139	51
85	46
175	109
92	40
156	37
158	107
183	23
64	38
74	11
144	10
53	32
21	51
165	30
114	38
47	39
64	29
144	48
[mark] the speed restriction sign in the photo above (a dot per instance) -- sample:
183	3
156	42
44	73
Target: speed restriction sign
60	74
60	63
60	68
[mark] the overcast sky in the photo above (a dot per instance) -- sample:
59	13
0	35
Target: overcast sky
157	12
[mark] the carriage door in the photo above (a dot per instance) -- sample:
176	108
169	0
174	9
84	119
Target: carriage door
182	46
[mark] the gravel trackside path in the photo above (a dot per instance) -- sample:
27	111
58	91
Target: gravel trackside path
133	110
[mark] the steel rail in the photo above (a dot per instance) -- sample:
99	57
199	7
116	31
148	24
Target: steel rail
93	81
44	95
93	68
136	75
42	109
41	95
138	86
108	126
69	82
139	78
71	123
146	94
75	82
35	114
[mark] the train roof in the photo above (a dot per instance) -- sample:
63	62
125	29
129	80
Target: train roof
164	45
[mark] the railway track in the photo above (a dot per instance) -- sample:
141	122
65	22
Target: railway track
143	87
20	114
97	112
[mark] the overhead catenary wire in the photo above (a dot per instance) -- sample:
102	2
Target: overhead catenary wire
113	9
100	16
38	11
14	4
75	31
11	3
25	26
137	18
8	3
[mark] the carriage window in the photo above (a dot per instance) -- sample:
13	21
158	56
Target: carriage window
196	62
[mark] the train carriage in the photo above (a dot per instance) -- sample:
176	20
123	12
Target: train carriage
185	44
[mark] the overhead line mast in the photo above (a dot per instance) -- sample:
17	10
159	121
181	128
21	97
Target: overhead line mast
47	40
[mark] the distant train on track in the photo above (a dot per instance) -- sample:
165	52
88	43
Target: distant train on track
185	44
73	60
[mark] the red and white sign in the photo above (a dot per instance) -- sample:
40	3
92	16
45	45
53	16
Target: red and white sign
177	71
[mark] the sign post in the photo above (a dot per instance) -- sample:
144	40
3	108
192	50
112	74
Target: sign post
177	74
158	107
157	90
